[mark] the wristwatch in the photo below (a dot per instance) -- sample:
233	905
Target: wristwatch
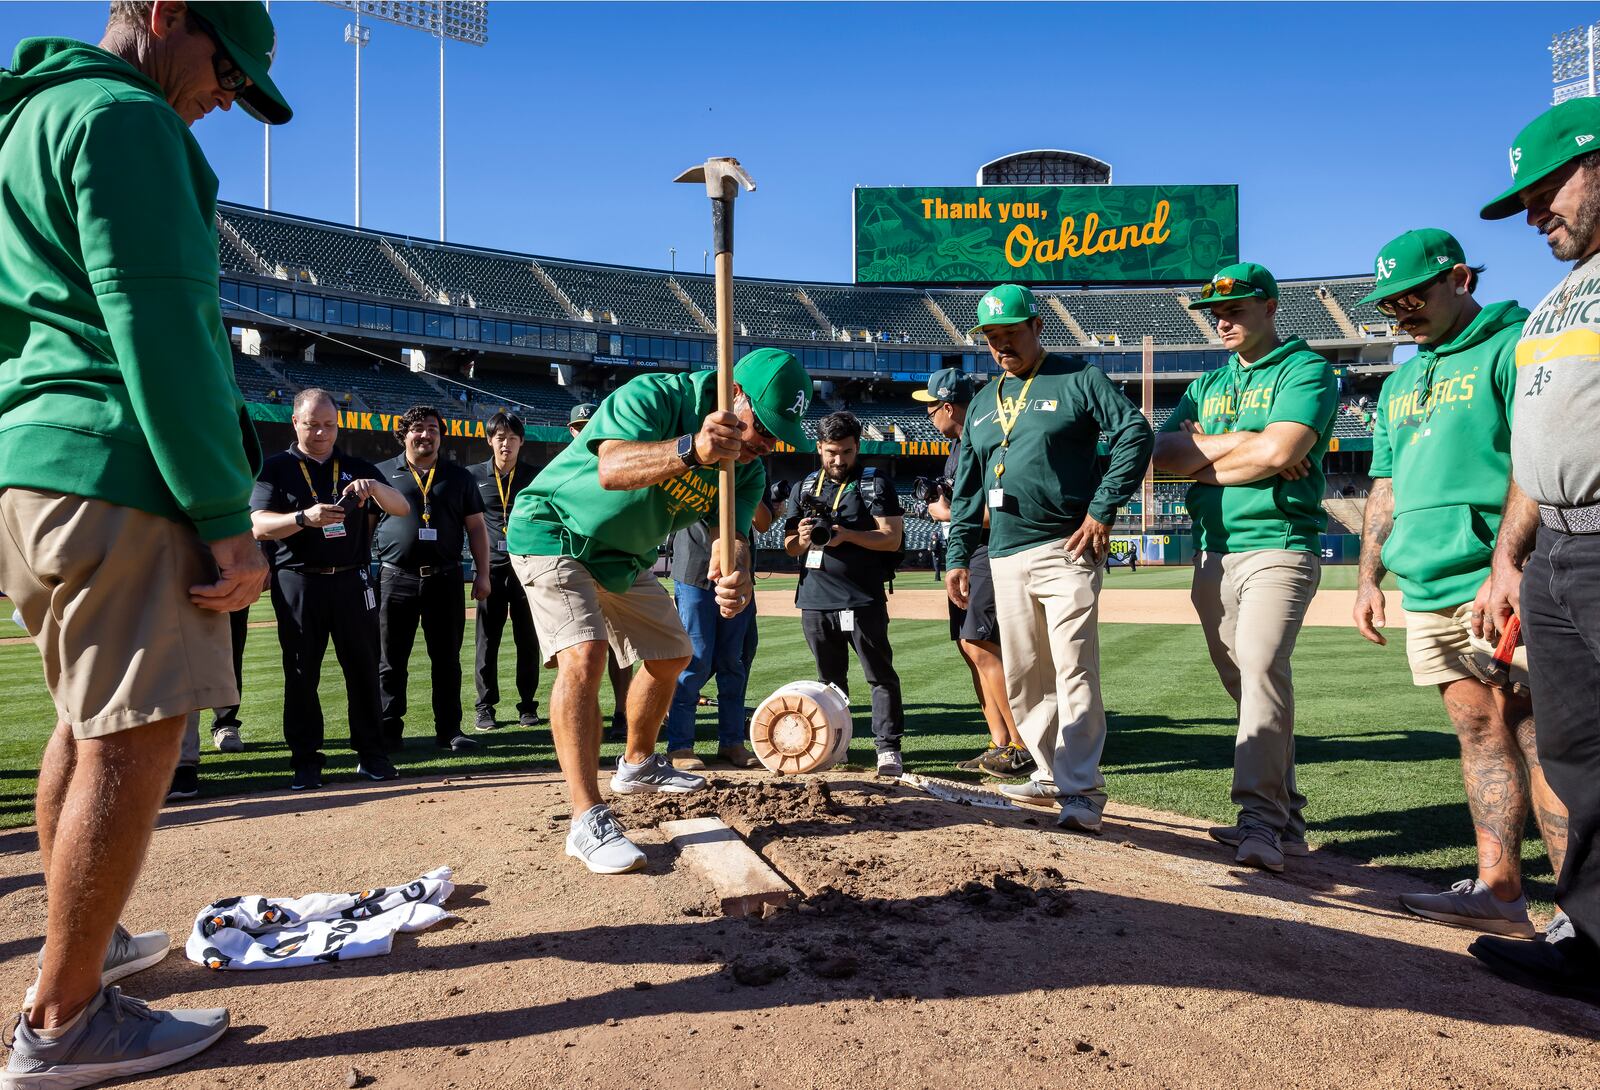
300	519
687	454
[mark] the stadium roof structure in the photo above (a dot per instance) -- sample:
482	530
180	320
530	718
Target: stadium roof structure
1045	166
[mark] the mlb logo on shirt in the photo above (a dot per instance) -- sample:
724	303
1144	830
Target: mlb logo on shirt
1044	406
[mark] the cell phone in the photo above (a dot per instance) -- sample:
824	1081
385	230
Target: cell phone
350	502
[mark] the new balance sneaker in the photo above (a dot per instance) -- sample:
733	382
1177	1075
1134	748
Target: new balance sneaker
976	763
889	764
114	1037
484	720
1079	814
227	739
127	954
738	756
1008	763
185	783
1259	847
1232	834
654	774
597	838
377	767
1032	793
684	760
1470	904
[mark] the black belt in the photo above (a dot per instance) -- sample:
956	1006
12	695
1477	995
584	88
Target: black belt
426	570
1571	520
304	570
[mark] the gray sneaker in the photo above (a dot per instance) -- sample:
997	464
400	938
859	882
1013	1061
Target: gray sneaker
1079	814
889	764
1032	793
1232	834
127	954
1560	928
654	774
597	838
1259	847
115	1036
1469	904
227	740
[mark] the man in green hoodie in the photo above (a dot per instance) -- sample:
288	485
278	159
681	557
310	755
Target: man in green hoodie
126	465
1441	460
1252	435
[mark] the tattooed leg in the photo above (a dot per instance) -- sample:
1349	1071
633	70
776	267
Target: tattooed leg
1548	810
1497	789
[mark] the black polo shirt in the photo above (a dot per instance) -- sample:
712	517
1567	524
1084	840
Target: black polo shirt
851	577
498	497
452	496
283	488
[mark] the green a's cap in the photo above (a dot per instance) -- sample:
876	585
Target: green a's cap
580	414
1006	305
1250	281
779	391
1416	257
947	385
245	31
1548	143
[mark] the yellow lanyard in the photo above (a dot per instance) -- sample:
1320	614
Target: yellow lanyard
427	512
306	473
504	491
837	496
1007	419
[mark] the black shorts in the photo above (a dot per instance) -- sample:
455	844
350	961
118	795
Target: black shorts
977	622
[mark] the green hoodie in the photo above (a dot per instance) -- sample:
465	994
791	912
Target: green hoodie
1444	434
116	376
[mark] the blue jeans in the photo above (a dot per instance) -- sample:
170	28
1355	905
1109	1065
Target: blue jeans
719	646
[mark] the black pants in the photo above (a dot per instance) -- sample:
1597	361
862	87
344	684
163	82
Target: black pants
1561	623
439	604
871	641
310	609
506	596
238	629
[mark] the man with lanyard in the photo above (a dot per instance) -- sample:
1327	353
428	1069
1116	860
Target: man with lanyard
1252	435
975	629
499	480
313	506
841	592
619	674
421	576
1546	565
1029	456
1441	459
584	536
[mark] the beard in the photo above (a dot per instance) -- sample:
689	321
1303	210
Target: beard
1580	231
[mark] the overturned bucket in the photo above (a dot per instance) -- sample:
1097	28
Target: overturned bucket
803	727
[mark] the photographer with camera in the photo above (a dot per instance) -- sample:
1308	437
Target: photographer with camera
975	628
845	521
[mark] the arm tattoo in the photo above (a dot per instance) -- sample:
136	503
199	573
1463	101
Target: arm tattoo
1379	523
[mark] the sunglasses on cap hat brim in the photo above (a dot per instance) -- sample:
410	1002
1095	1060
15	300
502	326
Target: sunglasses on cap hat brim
1223	288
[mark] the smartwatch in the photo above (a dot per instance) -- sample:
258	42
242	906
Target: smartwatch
300	519
686	452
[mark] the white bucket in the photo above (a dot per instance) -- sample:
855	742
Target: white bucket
803	727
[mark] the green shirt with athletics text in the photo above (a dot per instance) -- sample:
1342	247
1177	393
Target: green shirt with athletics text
1289	384
565	511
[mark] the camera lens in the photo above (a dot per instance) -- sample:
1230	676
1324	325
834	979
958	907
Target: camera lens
821	534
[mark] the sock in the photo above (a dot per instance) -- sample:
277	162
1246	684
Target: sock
60	1031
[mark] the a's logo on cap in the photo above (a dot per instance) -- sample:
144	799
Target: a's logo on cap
1584	139
1516	159
799	407
1385	268
996	307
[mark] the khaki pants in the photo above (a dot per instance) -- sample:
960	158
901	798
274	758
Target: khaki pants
1049	606
1251	606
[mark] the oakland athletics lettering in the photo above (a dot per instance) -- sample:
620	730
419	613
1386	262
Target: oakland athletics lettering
694	491
1222	404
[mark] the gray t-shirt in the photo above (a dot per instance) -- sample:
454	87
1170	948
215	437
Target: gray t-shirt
691	555
1555	444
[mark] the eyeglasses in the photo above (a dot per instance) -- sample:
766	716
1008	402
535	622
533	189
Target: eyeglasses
936	406
1409	303
229	77
1223	287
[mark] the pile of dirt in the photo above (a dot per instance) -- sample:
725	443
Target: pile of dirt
743	804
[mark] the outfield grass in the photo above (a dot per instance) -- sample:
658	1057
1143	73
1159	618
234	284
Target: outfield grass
1377	758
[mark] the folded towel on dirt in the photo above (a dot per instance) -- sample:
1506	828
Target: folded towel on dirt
257	932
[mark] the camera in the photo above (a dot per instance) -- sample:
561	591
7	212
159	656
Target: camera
812	507
932	489
778	494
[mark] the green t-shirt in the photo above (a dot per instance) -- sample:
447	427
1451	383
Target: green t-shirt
1052	475
1443	434
615	534
1289	384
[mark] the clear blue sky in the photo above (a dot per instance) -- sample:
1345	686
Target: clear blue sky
1343	124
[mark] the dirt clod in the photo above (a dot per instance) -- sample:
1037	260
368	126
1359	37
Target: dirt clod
757	972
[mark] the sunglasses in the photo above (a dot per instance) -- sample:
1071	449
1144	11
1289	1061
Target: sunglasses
1408	303
763	432
229	77
936	406
1223	287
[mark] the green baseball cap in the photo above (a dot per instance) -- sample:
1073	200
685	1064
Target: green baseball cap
1416	257
779	391
581	413
1006	305
245	31
947	385
1250	281
1548	143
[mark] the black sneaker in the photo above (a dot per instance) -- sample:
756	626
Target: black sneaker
976	763
306	776
377	767
484	720
529	719
460	743
1008	763
185	783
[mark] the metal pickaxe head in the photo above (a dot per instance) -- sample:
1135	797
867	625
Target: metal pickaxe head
723	177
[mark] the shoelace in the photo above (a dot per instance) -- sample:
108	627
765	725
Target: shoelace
125	1006
1464	887
1077	800
606	826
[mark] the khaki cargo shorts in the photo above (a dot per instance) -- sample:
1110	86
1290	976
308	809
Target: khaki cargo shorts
1436	640
569	607
104	592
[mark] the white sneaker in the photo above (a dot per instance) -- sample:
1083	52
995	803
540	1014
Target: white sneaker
1032	793
227	740
654	774
889	764
597	838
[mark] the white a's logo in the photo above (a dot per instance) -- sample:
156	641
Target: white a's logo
1516	160
995	306
1584	139
799	406
1385	268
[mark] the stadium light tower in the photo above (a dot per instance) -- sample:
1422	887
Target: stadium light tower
448	20
1572	63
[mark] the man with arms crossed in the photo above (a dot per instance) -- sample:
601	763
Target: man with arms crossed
1252	434
126	462
1441	457
1029	455
584	535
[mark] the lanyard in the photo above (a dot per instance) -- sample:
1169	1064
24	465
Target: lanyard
427	511
837	496
1008	419
504	491
306	473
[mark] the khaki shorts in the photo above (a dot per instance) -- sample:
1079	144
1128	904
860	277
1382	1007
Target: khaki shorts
569	607
104	592
1436	640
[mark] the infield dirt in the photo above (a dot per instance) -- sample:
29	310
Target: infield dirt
931	945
